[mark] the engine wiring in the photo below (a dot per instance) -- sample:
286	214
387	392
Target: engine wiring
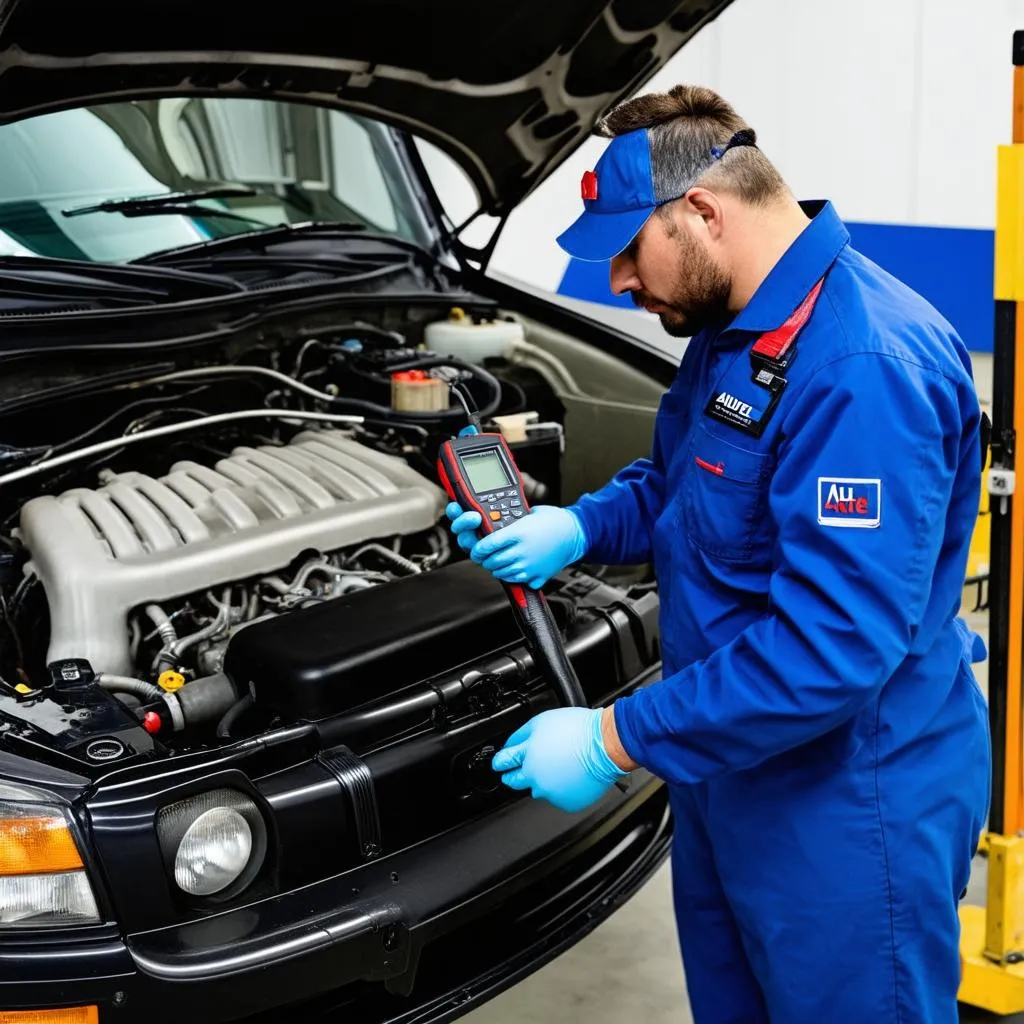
97	427
102	447
382	412
12	629
471	416
352	410
229	371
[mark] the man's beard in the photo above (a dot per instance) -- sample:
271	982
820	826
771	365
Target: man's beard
700	298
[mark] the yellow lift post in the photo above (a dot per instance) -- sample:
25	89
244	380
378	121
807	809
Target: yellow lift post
992	937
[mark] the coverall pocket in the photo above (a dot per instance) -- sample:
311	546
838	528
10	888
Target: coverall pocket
724	502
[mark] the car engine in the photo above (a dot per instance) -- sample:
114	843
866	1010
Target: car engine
103	555
155	515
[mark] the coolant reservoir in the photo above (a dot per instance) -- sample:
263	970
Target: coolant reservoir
471	342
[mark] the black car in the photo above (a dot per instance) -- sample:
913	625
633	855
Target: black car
249	686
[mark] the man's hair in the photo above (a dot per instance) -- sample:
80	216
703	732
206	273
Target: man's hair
686	123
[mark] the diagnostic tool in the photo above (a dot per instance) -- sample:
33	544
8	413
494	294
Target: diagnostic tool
478	471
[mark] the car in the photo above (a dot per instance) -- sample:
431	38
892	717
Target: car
250	688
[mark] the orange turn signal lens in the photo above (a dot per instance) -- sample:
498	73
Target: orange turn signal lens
32	845
70	1015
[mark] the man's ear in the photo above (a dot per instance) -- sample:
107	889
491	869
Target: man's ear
702	203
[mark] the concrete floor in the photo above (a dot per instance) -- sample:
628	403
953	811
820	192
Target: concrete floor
629	968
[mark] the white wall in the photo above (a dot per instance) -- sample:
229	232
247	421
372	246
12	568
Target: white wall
891	108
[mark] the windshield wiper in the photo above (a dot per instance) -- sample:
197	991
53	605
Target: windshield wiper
172	203
146	204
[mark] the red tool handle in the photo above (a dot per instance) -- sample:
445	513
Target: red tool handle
530	606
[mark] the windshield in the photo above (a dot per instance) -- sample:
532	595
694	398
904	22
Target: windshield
305	163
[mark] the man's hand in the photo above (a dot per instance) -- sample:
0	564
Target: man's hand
560	757
531	550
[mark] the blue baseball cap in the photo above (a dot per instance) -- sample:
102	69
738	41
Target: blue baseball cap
619	195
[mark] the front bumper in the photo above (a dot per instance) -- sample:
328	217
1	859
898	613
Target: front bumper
420	936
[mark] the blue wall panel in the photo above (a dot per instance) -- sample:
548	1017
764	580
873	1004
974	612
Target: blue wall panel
951	267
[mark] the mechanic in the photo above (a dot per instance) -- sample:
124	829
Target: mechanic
808	517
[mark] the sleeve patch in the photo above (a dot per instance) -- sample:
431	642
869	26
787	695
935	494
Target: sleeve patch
849	501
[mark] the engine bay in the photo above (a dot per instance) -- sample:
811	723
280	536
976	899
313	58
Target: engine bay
193	551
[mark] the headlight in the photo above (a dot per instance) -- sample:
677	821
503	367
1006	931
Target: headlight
213	843
42	877
213	852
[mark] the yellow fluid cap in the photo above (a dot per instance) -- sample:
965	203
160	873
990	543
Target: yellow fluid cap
22	688
170	680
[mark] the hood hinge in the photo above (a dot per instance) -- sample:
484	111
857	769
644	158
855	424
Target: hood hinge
467	255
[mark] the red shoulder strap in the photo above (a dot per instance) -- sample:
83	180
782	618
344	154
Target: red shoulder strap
775	344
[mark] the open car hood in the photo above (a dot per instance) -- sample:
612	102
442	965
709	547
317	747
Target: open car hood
508	89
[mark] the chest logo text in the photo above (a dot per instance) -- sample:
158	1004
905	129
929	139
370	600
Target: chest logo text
727	401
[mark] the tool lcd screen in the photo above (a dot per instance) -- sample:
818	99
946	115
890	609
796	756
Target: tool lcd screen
486	471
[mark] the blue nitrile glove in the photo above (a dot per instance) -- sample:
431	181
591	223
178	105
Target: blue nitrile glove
529	551
559	756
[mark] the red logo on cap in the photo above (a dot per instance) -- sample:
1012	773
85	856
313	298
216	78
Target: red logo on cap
588	187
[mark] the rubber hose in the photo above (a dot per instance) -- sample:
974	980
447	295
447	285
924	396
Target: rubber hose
146	692
521	351
207	698
164	627
234	713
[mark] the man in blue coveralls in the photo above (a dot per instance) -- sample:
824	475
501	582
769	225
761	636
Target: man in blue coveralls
808	504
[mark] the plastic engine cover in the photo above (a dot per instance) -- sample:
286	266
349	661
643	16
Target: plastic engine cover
333	657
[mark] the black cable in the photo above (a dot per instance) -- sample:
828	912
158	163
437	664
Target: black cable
461	387
232	715
156	414
27	582
120	412
353	329
520	393
12	629
367	375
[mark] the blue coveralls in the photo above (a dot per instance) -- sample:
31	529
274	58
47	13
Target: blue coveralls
818	722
